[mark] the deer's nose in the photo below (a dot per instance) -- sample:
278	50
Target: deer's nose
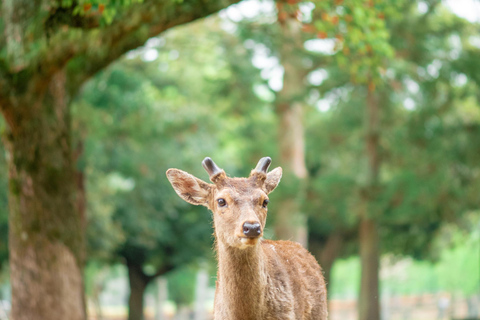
252	230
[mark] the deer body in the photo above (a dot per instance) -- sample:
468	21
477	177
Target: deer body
257	279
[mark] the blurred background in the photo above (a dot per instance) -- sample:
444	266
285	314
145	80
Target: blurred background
371	107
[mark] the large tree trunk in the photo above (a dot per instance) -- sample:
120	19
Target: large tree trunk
291	222
369	306
46	239
138	283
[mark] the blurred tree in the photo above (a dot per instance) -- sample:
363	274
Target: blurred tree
430	187
359	28
291	221
161	121
431	155
360	43
49	50
126	165
3	212
181	286
276	40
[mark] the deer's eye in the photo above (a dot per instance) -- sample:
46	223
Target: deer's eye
221	202
265	203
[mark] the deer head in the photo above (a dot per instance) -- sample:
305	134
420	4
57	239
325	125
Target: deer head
239	205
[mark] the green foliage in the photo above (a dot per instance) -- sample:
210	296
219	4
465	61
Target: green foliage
138	122
458	262
429	155
456	269
194	92
181	286
345	279
361	35
107	9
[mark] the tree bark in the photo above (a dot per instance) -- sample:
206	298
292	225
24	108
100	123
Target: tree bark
46	242
291	222
369	300
369	306
138	283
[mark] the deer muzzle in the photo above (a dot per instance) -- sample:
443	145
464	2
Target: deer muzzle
252	229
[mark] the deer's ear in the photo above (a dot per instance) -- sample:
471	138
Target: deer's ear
273	178
189	188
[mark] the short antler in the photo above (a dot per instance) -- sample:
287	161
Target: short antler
263	165
210	166
213	170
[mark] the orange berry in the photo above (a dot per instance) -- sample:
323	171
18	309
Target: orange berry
308	28
322	35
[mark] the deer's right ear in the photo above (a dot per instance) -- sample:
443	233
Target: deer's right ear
189	188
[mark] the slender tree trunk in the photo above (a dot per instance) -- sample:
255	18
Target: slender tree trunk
369	306
46	233
291	222
369	300
138	283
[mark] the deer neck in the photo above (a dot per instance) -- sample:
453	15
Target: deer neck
242	282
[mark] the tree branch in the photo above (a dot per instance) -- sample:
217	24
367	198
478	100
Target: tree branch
81	43
161	271
130	30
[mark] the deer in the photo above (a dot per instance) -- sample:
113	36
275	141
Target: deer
257	279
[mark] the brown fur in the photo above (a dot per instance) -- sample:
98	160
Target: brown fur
257	279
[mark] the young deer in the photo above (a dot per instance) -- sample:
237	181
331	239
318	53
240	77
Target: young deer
257	279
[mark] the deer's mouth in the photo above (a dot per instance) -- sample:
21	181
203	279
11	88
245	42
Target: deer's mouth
249	241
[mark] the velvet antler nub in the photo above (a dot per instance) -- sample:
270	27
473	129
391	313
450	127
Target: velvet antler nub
263	164
210	166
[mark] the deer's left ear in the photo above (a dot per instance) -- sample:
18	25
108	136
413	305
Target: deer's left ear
273	178
189	188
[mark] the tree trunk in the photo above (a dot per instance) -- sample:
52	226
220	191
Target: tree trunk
291	222
369	306
46	237
138	283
